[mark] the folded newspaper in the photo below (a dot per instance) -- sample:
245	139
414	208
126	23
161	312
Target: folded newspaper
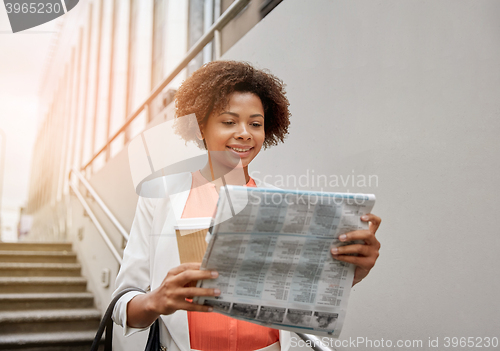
272	251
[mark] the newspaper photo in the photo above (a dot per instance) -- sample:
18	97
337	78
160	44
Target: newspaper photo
271	248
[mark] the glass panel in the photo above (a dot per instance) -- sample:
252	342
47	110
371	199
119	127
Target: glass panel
159	29
101	118
120	60
134	14
196	29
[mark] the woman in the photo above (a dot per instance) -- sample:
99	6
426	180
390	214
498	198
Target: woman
239	110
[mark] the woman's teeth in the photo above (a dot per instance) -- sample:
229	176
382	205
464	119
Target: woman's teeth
238	150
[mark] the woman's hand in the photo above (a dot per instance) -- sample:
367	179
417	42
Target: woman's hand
179	285
171	295
367	253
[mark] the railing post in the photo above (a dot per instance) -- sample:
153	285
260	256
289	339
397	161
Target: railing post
217	44
147	112
315	342
108	152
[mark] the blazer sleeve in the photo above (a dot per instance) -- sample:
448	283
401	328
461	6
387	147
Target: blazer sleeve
135	269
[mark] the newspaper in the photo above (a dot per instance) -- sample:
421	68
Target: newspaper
272	251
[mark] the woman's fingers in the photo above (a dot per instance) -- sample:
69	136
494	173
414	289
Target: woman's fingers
365	263
363	256
188	276
358	261
170	297
184	267
179	284
360	249
189	293
366	235
190	306
374	221
369	250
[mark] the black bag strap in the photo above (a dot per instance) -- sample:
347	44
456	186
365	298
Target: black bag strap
107	322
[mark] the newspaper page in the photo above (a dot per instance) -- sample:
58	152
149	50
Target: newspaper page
271	248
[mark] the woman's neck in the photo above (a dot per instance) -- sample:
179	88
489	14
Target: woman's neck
232	176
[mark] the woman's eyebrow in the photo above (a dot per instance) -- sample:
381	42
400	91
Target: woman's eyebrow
237	115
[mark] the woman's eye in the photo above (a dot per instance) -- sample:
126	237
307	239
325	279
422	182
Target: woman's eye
256	125
228	122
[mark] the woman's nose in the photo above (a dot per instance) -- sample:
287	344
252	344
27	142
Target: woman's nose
242	132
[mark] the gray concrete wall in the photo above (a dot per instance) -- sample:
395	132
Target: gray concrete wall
407	91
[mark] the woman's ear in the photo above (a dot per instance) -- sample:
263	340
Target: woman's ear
199	134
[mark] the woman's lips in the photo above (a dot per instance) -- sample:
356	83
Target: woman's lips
241	152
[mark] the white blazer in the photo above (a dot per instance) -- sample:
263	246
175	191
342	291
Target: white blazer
152	251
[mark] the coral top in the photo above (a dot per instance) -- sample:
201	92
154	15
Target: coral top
214	331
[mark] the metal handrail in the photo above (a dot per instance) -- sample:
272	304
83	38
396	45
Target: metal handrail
96	223
101	203
316	343
104	208
214	30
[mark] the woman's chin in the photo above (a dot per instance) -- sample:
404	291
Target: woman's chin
231	159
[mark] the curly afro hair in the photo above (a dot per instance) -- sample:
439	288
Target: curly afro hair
208	89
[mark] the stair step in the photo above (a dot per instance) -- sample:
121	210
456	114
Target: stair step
38	256
44	304
22	269
58	341
42	284
34	246
42	321
19	302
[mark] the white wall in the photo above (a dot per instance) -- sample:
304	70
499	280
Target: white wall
407	91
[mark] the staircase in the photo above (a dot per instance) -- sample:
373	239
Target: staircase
44	304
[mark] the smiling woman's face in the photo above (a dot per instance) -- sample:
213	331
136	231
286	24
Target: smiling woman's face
238	128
